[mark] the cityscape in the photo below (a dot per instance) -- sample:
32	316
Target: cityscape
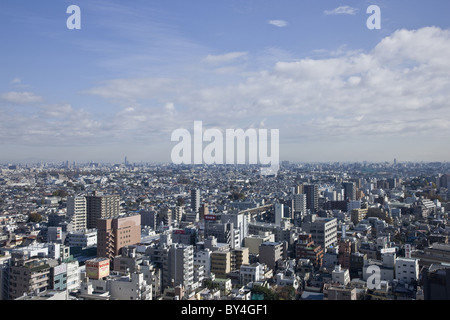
225	154
139	231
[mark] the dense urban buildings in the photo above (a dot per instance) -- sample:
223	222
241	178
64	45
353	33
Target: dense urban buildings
328	231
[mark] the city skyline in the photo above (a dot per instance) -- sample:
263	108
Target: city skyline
135	72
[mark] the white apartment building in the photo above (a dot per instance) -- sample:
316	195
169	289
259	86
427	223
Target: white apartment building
407	269
299	203
132	287
73	276
77	211
341	276
203	259
179	266
82	238
323	231
251	273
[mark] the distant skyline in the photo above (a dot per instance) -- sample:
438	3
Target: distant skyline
137	70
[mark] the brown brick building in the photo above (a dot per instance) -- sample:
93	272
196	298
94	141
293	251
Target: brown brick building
305	249
115	233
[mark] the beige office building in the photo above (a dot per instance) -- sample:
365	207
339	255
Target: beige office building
115	233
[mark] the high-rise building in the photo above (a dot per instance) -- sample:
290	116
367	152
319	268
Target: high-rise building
407	270
240	223
115	233
101	207
436	282
323	231
349	190
443	181
178	269
223	231
345	253
279	213
221	263
28	275
306	249
299	203
312	196
195	200
270	253
164	216
77	212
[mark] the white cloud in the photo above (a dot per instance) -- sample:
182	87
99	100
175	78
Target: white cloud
278	23
225	57
20	97
341	10
398	90
16	81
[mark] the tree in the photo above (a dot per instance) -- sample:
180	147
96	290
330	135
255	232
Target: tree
180	202
34	217
286	293
268	294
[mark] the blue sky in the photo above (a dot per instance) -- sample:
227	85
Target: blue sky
137	70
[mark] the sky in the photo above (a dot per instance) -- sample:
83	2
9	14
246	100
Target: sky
137	70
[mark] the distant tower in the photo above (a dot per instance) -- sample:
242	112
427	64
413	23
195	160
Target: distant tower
195	200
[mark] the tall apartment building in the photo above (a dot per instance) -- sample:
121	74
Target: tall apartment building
164	217
239	257
195	200
115	233
251	273
100	207
349	190
436	282
73	275
270	253
178	268
323	231
279	213
28	275
224	232
77	212
345	253
443	181
240	223
357	215
312	196
407	269
221	263
299	203
202	258
306	249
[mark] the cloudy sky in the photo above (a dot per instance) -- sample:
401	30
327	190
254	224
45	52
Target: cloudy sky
138	69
